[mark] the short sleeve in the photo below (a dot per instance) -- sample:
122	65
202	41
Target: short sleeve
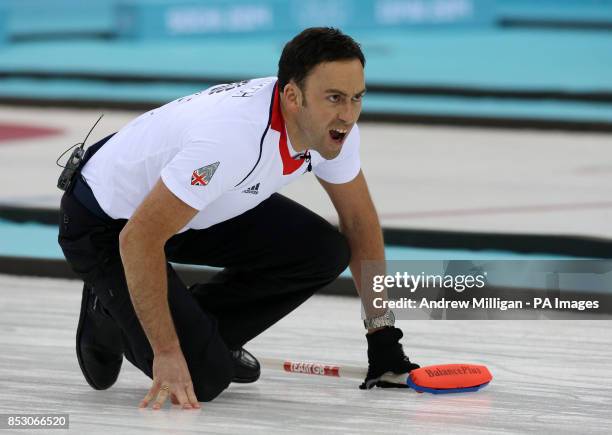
200	173
346	165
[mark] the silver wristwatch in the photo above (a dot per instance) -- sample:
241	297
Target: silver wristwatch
387	319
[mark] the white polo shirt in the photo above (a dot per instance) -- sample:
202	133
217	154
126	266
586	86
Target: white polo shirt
222	151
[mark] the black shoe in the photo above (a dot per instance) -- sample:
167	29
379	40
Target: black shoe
246	367
98	343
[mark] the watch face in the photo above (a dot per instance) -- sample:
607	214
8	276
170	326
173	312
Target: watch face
387	319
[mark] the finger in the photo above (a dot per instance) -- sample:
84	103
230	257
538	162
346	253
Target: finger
182	398
368	384
192	397
387	384
149	396
174	399
162	395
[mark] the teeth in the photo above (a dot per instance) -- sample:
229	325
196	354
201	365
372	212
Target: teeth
339	130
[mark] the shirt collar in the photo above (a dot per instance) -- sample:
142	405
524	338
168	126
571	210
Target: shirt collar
277	123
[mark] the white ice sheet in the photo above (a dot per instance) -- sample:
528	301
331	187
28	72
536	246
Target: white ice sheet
549	376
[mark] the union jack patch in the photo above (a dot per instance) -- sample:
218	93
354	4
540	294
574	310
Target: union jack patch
202	176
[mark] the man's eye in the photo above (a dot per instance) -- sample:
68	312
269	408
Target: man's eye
357	97
334	98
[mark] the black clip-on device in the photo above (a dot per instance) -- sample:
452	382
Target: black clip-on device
74	161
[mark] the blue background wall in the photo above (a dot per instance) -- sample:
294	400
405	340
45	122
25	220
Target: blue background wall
438	59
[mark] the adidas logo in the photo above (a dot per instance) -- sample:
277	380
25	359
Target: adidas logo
253	189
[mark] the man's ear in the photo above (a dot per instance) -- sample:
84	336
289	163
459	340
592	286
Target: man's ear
293	96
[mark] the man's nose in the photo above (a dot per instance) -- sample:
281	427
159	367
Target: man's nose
349	113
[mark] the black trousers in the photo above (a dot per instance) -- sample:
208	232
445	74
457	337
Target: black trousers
274	257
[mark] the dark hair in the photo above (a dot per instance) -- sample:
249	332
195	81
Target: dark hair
312	47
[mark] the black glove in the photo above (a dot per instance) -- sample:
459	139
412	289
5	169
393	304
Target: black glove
385	354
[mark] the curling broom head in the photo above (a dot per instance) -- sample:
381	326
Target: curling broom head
449	378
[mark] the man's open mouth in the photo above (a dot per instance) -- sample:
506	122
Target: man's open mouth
337	134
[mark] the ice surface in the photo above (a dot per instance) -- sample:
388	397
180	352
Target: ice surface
549	376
